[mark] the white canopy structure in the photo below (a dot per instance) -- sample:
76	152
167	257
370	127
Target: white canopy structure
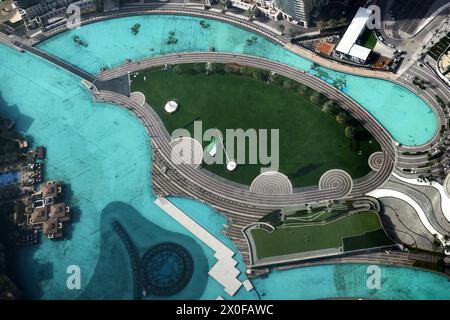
231	165
171	106
357	27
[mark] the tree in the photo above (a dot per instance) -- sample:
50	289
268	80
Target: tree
210	67
316	98
290	32
333	23
224	4
198	68
350	132
273	77
289	84
281	28
228	68
320	24
342	118
302	89
262	75
329	107
177	68
250	14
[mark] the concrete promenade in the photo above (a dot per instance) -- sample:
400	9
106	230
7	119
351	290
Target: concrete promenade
445	199
387	193
224	271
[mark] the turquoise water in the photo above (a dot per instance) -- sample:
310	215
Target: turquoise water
103	154
350	280
404	115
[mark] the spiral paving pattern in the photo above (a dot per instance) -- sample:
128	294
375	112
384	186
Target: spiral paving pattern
138	97
186	150
376	160
272	182
336	179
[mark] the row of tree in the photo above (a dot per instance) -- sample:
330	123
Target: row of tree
327	105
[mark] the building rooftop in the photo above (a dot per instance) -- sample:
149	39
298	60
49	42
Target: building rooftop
50	227
58	210
360	52
39	215
51	189
354	31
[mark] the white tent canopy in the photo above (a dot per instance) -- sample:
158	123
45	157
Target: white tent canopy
354	31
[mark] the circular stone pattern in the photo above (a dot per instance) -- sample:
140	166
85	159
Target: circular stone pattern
336	179
166	269
138	97
186	150
376	160
273	183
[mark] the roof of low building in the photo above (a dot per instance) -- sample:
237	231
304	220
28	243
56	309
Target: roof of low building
39	215
360	52
50	189
57	210
354	31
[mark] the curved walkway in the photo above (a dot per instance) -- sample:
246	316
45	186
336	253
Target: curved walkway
370	182
381	193
445	200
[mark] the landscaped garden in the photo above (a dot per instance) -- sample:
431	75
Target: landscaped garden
440	47
347	231
316	134
369	40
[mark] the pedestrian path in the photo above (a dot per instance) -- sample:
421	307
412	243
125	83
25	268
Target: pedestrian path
386	193
445	200
224	271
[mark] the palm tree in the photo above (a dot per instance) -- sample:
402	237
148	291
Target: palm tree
273	77
198	67
210	67
224	4
227	68
177	68
329	107
316	98
350	132
302	89
341	118
281	28
250	14
288	84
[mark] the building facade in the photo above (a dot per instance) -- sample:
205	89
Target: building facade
298	11
49	13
